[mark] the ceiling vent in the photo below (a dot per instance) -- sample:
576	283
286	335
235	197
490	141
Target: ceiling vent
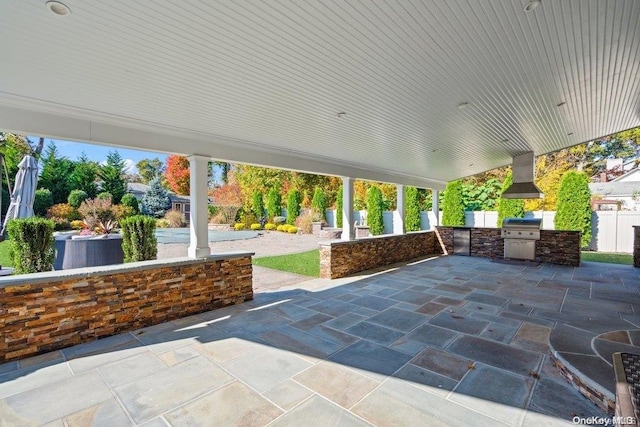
523	186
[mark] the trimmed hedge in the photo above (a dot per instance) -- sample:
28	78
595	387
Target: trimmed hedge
573	210
319	204
375	207
139	241
509	208
32	245
257	205
452	205
274	204
293	206
412	210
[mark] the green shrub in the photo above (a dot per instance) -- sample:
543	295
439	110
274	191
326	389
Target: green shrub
162	223
64	211
239	226
270	226
274	204
32	245
76	197
257	204
255	226
104	196
339	207
452	205
412	210
291	229
509	208
122	211
77	224
131	201
278	220
375	205
319	204
213	210
574	205
139	241
42	201
293	206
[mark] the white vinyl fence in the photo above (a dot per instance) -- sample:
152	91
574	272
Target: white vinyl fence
611	230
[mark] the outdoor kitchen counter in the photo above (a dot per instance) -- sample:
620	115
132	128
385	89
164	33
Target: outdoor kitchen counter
554	247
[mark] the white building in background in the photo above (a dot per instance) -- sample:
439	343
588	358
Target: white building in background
625	189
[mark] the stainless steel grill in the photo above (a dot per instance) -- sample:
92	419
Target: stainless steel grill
520	237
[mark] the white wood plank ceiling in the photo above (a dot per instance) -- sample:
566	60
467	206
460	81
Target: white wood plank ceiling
263	81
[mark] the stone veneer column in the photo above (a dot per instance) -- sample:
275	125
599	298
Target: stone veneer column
636	246
348	229
398	214
435	206
198	226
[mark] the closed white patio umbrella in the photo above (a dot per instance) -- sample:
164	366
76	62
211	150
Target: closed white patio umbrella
24	190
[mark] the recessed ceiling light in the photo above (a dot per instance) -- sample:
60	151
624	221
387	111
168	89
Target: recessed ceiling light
463	105
341	115
570	133
434	150
531	5
58	8
505	140
560	104
470	164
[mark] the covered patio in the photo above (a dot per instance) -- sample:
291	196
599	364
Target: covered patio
409	93
443	341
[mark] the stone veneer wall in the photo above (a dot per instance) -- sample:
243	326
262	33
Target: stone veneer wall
47	311
342	258
554	247
596	397
636	246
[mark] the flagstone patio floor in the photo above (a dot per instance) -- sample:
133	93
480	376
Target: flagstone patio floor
445	341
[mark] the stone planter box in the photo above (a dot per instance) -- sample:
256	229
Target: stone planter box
362	231
330	233
316	228
92	252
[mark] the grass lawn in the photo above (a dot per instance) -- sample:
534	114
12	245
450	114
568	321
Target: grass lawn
5	261
607	257
305	263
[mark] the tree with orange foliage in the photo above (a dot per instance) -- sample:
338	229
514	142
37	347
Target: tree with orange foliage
177	174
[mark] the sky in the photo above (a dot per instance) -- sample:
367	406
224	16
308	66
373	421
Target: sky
98	153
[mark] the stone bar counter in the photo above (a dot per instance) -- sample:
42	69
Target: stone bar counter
554	246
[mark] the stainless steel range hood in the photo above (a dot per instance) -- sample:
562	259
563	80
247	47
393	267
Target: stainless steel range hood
523	186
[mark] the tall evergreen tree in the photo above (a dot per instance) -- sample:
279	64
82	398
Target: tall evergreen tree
55	174
293	206
156	200
257	206
509	208
453	205
574	205
412	210
84	176
319	204
274	204
113	176
375	206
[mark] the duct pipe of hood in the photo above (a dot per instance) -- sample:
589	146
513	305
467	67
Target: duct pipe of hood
523	186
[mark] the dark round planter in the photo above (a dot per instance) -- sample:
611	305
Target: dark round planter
88	252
